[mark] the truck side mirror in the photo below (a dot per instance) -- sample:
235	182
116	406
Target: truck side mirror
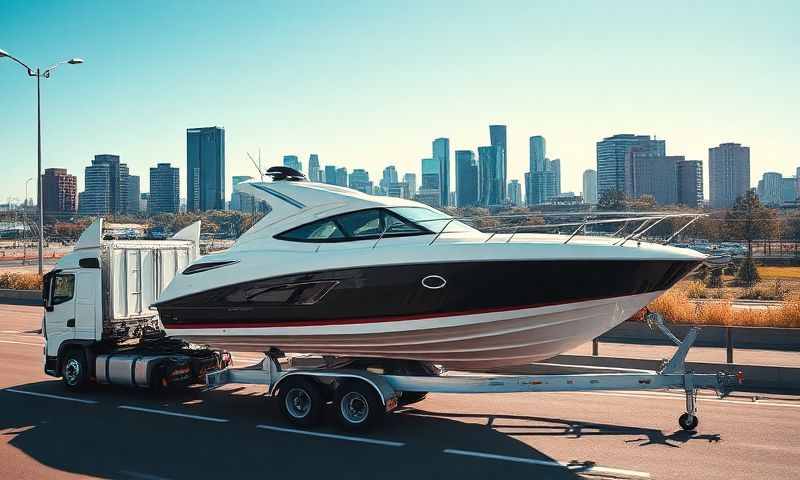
47	291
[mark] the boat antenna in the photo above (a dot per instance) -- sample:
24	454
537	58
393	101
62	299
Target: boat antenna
257	164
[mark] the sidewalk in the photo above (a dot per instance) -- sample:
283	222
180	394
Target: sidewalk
745	356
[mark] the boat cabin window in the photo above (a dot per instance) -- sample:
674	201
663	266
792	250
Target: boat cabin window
361	225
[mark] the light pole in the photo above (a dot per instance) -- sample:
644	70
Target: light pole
25	219
39	73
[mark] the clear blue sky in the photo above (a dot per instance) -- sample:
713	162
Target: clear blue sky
367	84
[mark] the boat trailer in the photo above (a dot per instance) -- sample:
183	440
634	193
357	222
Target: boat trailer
363	396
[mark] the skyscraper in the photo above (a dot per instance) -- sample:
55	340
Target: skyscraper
205	165
515	193
491	186
690	183
164	189
389	177
359	180
770	190
341	177
542	186
313	167
611	154
537	153
330	174
789	190
555	166
654	175
441	153
728	173
497	138
105	187
134	194
590	187
237	197
430	175
466	179
58	191
292	161
410	179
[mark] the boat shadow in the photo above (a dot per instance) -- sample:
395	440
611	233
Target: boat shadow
102	440
530	426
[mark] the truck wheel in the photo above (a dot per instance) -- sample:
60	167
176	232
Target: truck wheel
74	371
301	401
357	405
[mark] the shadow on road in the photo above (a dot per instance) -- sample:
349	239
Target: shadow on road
104	440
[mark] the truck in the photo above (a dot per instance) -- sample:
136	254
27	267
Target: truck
99	328
98	325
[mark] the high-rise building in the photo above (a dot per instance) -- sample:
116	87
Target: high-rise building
537	152
330	174
313	168
491	185
134	194
441	153
389	176
58	191
690	183
205	168
106	187
515	193
430	175
497	138
237	197
789	190
410	179
341	177
590	187
728	173
292	161
359	180
611	155
466	179
164	189
542	186
770	189
555	167
653	175
398	189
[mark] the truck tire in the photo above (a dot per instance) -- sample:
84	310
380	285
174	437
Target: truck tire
74	370
301	401
357	405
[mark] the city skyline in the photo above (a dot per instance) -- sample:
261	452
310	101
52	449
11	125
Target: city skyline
110	104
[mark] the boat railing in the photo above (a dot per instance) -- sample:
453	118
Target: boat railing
638	224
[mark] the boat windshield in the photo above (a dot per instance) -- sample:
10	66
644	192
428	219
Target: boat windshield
433	220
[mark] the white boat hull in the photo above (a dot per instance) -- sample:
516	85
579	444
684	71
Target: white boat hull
481	340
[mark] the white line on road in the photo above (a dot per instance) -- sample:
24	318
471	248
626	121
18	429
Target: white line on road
386	443
49	395
585	469
174	414
23	343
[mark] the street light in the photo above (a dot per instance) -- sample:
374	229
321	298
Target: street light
38	73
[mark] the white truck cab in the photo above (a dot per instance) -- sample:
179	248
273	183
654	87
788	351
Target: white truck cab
98	324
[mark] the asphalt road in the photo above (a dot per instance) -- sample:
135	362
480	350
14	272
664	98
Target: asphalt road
47	432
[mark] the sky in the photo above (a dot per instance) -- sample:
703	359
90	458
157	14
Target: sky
369	84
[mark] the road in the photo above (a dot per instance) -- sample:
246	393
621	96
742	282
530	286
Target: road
47	432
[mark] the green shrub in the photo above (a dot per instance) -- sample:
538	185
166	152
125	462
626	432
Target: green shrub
747	274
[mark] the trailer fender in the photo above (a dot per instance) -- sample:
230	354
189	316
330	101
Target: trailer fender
387	395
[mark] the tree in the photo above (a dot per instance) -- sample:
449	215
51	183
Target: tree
612	200
749	220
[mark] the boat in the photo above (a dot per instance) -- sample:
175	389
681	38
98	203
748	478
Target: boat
336	272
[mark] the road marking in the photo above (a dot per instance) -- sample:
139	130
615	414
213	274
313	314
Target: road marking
387	443
585	469
49	395
23	343
681	397
174	414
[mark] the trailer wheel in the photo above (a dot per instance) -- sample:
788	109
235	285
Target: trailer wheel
688	421
301	401
74	371
357	405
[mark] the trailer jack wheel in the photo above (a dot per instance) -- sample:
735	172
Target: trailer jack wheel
688	422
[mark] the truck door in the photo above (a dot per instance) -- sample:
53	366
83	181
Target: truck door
86	293
60	311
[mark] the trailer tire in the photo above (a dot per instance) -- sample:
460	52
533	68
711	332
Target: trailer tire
357	405
301	401
688	421
74	370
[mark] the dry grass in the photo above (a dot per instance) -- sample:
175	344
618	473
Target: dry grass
676	308
769	273
21	281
